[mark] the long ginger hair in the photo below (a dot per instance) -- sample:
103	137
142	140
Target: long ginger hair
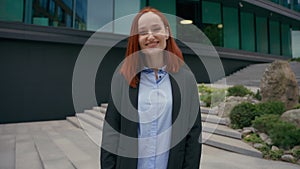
130	66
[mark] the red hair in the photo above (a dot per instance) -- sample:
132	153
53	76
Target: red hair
130	66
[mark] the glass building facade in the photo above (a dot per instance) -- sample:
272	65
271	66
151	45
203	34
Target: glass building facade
230	24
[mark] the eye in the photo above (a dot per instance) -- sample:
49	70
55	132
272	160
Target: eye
156	30
143	32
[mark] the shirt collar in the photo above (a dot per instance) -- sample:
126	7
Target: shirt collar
160	70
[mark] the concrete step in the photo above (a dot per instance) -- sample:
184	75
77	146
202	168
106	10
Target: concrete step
213	119
204	110
95	114
93	132
207	110
79	158
7	151
221	130
51	155
230	144
90	120
104	105
74	121
251	75
26	153
100	109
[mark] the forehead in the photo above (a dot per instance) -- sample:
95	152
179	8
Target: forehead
149	19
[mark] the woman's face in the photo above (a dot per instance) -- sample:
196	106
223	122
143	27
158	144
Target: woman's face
152	33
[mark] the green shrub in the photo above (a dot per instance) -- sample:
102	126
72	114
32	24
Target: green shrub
218	96
265	122
274	154
285	135
297	106
253	138
204	89
295	59
265	150
211	95
271	107
296	153
238	90
242	115
257	95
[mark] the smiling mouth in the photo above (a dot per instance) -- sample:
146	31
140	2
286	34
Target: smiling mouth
152	44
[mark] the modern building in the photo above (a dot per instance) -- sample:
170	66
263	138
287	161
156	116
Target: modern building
41	40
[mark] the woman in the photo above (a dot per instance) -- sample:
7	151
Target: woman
153	116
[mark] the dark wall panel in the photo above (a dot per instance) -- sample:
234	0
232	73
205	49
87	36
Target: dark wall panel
36	80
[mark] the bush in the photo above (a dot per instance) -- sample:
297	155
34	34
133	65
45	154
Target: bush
265	150
274	154
271	107
239	90
253	138
242	115
284	135
296	152
295	59
257	95
211	95
265	122
297	106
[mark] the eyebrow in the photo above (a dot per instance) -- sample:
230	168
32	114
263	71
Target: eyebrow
143	27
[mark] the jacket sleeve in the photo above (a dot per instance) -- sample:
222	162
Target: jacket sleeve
193	145
110	137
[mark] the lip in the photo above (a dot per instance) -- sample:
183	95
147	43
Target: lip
152	44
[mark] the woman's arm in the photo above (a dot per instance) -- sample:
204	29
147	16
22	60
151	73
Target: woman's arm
193	145
110	137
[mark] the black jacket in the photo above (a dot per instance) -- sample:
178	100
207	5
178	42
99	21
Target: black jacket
120	128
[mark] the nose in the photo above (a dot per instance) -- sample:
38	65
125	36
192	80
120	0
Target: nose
150	35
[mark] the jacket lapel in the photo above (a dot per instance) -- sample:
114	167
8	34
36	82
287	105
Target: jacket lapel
175	110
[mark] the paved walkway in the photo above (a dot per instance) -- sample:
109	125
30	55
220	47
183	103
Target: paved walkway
213	158
60	145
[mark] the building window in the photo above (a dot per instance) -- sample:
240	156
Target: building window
212	22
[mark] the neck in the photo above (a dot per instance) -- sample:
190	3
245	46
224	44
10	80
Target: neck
154	61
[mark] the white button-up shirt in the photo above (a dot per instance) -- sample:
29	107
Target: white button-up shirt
155	119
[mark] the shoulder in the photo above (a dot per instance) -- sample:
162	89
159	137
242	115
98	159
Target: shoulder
185	76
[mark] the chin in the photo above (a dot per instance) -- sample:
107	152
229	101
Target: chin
152	51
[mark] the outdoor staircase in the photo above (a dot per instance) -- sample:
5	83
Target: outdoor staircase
214	130
250	76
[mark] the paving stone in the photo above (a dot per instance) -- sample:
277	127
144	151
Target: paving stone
7	151
78	157
26	153
52	157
